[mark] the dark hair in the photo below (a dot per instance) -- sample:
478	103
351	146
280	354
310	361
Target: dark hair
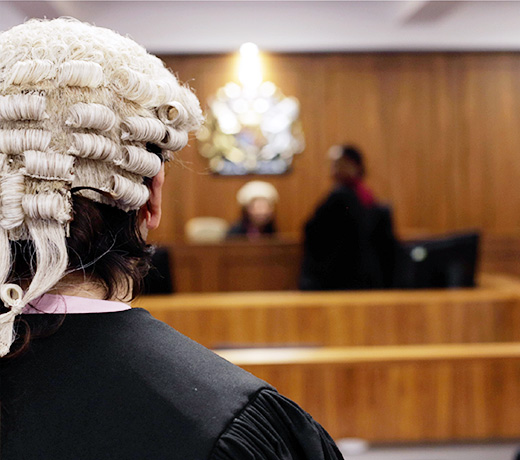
354	154
105	245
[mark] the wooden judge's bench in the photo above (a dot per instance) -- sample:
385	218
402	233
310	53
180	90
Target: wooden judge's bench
385	366
273	264
265	264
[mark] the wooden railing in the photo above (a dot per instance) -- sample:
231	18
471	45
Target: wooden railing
490	313
387	366
399	393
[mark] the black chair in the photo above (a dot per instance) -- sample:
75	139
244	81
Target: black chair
159	279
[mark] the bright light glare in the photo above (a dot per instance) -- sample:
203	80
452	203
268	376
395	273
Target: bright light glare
250	68
249	49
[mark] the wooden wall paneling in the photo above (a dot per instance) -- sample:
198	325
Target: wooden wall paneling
481	125
504	139
442	160
507	166
418	152
500	254
491	109
440	133
513	163
456	126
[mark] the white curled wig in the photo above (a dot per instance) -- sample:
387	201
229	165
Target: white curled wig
78	106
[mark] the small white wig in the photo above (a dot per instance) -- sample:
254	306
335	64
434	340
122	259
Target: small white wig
257	189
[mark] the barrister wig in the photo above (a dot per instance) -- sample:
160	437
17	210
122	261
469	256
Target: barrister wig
79	105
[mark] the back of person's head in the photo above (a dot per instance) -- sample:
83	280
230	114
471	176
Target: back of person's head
87	118
348	162
352	153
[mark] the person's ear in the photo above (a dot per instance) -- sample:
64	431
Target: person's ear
151	211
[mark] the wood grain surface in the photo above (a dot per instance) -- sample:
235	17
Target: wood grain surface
439	131
422	393
490	313
274	264
386	366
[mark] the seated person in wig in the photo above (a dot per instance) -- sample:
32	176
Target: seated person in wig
87	119
257	200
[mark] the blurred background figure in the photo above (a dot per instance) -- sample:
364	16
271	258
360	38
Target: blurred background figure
258	203
348	170
349	241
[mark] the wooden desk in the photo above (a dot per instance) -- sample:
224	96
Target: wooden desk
490	313
268	264
273	264
500	254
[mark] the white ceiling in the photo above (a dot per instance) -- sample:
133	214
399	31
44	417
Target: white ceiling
294	26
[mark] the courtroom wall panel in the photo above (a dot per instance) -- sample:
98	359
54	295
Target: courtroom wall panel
440	132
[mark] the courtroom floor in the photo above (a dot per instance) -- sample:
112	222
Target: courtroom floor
505	451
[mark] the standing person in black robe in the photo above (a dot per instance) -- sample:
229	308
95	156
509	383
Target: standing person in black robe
87	118
341	239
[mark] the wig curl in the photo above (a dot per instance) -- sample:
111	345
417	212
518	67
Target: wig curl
79	108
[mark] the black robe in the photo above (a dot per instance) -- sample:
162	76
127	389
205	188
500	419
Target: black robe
348	246
334	245
124	386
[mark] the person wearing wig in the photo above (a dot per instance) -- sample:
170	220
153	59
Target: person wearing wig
87	119
257	200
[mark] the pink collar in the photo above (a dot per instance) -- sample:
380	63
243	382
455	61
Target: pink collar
60	304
